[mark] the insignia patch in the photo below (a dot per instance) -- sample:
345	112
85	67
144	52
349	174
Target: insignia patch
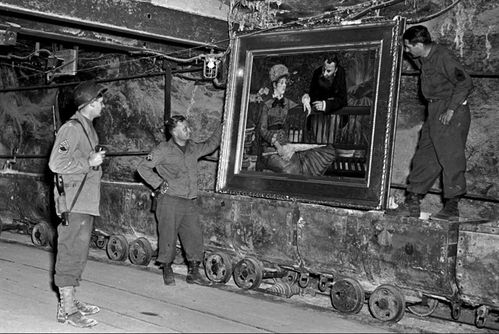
149	157
64	146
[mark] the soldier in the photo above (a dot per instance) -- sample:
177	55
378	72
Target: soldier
172	169
77	167
440	151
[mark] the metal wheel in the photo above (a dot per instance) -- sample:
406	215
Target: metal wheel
347	296
387	303
140	251
101	242
323	283
455	310
218	267
425	308
303	280
291	277
117	248
248	273
42	235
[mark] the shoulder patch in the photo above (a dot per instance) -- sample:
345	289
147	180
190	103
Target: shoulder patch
64	146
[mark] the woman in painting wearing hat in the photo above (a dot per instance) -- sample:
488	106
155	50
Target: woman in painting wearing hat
279	155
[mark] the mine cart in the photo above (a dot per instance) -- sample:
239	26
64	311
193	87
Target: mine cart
477	268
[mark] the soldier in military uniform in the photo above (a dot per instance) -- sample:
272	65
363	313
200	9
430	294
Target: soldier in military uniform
440	151
172	169
77	165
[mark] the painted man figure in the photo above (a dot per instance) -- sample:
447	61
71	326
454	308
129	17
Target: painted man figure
327	94
328	89
77	167
172	169
441	148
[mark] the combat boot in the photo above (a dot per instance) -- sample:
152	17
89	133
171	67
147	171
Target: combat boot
84	308
168	277
67	311
194	276
410	208
450	211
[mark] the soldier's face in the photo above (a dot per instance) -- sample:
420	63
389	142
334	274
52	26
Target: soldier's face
415	50
97	106
182	131
328	69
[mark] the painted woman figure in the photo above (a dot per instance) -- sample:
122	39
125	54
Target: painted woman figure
278	154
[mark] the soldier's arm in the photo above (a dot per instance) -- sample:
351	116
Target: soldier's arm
457	75
211	143
146	168
65	157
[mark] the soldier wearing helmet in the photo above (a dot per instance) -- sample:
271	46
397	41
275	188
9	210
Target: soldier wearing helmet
76	165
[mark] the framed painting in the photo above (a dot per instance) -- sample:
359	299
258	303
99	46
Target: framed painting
310	114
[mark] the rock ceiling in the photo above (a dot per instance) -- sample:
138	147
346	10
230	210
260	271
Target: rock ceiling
292	10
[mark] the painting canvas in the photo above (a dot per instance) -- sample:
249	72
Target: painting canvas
284	139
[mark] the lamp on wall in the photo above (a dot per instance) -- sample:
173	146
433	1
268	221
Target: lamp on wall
210	65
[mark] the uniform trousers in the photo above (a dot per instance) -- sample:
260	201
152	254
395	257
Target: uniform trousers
73	243
179	216
441	151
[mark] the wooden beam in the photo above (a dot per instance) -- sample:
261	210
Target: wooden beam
140	21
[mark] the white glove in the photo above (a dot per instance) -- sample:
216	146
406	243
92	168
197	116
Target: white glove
305	100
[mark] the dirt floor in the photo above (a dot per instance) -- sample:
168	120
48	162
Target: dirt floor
134	300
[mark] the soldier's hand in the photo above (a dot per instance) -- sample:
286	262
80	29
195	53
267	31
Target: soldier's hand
163	188
96	158
446	116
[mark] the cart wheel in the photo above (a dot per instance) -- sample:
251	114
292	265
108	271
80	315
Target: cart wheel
387	303
291	277
218	267
303	280
52	236
323	284
425	308
42	235
140	252
117	248
455	311
347	296
101	242
248	273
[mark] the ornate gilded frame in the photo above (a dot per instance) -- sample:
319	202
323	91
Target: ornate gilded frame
367	192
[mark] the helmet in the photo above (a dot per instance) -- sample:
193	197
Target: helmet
86	91
278	71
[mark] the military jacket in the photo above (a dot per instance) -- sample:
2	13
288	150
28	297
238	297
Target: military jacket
443	77
167	162
69	157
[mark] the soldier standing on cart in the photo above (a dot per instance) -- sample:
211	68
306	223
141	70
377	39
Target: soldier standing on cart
440	151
